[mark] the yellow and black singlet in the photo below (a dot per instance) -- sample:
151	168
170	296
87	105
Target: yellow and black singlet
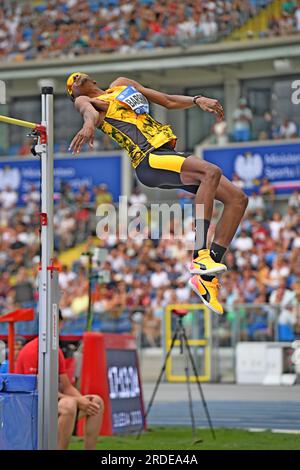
129	123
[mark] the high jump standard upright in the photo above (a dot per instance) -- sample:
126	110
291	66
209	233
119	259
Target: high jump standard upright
48	278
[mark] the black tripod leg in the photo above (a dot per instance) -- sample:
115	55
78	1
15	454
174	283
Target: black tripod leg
199	386
160	377
187	376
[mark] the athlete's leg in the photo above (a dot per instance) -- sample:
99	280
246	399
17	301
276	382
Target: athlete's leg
235	203
194	171
178	171
208	177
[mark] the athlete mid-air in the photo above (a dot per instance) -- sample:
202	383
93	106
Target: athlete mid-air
122	112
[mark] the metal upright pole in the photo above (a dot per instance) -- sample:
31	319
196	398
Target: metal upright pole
48	290
89	313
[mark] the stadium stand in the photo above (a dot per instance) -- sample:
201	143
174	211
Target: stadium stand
147	275
71	28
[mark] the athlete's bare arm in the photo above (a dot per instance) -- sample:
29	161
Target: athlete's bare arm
93	113
173	101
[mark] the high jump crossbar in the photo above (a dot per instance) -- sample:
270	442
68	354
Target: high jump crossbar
48	278
18	122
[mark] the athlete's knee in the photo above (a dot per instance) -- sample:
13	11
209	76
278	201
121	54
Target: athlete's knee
239	200
213	172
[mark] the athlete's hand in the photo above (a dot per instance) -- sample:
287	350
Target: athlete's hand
86	134
211	106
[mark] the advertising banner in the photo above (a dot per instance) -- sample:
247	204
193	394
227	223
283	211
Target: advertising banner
23	174
279	162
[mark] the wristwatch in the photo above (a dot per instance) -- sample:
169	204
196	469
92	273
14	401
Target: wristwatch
195	98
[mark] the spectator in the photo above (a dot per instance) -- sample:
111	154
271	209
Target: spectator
137	196
103	196
278	273
242	118
276	225
273	27
244	242
289	6
296	309
288	129
297	17
8	198
237	181
159	278
291	217
260	234
294	200
20	342
283	298
71	404
255	203
65	277
59	29
267	126
267	191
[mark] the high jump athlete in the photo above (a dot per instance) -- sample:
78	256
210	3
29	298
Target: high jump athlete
122	112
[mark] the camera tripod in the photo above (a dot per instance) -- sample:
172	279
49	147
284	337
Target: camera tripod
185	349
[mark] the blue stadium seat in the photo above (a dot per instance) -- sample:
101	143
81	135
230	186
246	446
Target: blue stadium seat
285	333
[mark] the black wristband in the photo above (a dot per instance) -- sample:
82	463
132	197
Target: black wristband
195	98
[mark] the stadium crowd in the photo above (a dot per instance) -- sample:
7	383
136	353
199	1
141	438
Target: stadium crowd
144	275
267	127
57	28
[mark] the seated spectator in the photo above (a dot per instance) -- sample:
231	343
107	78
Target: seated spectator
267	191
284	299
20	342
159	278
255	203
297	18
290	219
288	129
267	126
237	181
248	284
289	6
102	195
294	200
261	321
243	242
286	24
276	225
296	241
273	27
71	404
242	119
137	196
260	234
8	198
296	309
65	276
183	291
279	272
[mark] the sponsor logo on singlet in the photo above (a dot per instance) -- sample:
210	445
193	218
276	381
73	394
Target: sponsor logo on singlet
134	99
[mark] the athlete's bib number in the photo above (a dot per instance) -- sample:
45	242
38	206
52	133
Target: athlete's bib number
134	99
